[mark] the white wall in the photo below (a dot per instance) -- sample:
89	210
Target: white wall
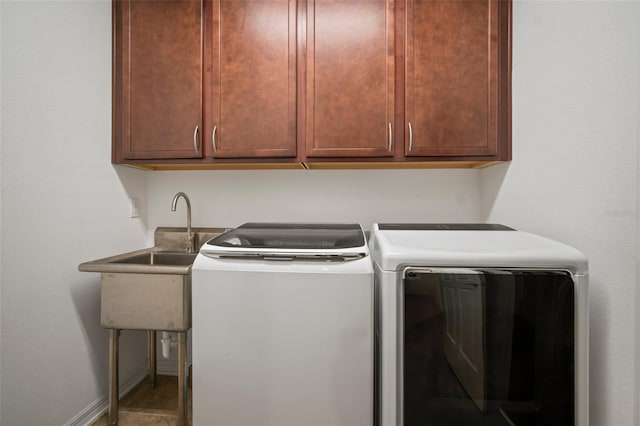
62	204
574	174
230	198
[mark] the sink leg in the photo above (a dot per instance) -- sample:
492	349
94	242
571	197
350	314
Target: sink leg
152	359
113	380
182	388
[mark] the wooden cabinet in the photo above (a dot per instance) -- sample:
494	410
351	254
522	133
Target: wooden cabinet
349	78
456	78
157	71
384	83
252	81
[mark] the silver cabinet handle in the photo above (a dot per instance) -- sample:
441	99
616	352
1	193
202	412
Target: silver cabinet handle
390	137
213	138
195	139
410	137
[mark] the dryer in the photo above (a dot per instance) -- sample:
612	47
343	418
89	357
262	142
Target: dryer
478	324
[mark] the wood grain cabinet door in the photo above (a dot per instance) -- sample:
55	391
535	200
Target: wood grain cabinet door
253	79
451	98
350	78
158	79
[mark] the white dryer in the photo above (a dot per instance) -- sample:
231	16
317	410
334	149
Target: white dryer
479	324
283	327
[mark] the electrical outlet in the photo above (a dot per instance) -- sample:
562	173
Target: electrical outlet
133	207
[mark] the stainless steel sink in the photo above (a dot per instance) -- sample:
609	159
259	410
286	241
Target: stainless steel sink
149	289
146	261
165	258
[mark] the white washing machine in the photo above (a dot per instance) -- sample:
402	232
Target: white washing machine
479	325
283	327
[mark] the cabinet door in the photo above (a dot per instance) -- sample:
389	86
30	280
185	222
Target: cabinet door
253	85
350	78
158	79
451	102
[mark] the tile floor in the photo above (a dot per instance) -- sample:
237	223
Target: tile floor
144	406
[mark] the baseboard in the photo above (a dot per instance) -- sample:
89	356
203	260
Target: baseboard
100	406
167	367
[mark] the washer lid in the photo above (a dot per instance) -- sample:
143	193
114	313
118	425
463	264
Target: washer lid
290	241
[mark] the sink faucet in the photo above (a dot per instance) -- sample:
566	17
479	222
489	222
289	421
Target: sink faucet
189	240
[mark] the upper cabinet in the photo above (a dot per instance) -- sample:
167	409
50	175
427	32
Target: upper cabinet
456	78
349	78
311	83
252	78
157	71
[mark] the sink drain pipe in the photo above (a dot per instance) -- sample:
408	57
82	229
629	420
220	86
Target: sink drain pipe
168	343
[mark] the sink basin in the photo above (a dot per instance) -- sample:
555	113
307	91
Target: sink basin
145	261
145	301
147	289
159	258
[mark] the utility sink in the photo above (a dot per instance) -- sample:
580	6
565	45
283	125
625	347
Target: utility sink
149	289
146	289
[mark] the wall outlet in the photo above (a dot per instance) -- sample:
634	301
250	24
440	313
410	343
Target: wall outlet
133	207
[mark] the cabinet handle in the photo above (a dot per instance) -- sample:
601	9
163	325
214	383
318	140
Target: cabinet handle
195	139
213	138
390	138
410	137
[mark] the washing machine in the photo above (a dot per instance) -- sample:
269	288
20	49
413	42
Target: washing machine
478	324
283	318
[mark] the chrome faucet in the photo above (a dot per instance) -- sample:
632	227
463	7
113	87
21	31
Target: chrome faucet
189	240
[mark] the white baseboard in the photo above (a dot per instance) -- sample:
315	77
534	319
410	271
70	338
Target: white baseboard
100	406
167	367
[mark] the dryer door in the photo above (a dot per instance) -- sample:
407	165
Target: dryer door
487	347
